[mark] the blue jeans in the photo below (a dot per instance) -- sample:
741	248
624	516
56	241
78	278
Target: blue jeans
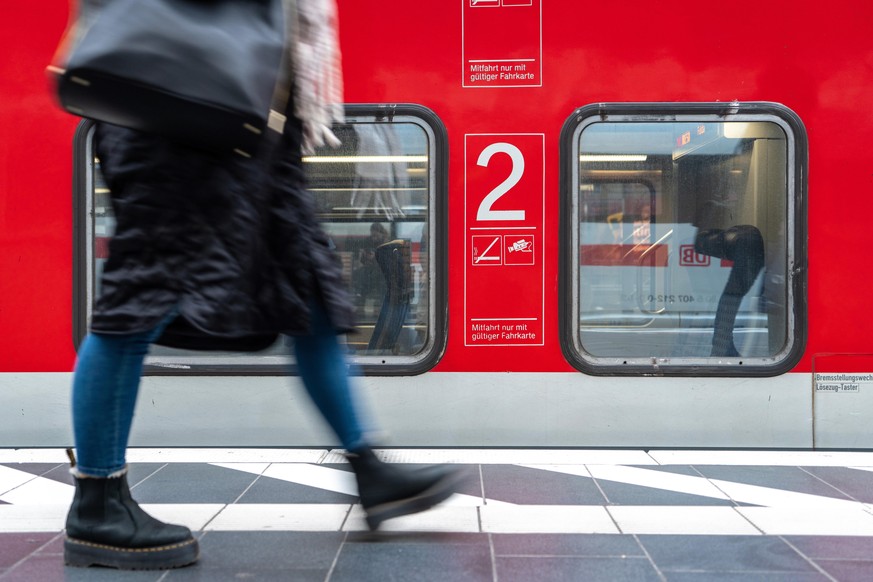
107	377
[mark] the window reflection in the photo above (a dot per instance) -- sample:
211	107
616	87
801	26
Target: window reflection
682	239
373	196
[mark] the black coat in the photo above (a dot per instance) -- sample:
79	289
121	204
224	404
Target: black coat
232	243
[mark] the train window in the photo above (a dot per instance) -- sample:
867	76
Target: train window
683	239
381	199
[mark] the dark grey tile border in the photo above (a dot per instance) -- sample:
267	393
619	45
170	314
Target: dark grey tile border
565	569
446	538
833	547
746	577
855	483
675	469
36	469
196	574
138	472
192	483
848	570
50	568
421	562
269	490
578	545
782	477
15	547
626	494
525	485
258	551
723	553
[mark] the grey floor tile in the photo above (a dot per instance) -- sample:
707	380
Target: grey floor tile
270	490
856	483
50	568
15	547
580	545
199	574
848	571
786	478
746	577
426	556
677	469
34	468
833	547
412	537
60	474
55	547
625	494
575	570
723	554
244	552
137	472
192	483
537	487
404	560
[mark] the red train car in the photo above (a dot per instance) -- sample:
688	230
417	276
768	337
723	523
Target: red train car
563	226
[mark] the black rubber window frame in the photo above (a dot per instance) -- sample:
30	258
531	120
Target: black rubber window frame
797	267
383	365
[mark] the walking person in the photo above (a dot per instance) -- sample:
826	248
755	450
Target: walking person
216	251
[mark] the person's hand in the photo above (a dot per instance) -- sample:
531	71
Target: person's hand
317	135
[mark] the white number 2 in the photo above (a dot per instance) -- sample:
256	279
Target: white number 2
485	212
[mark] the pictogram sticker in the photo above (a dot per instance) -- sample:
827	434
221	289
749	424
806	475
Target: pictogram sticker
487	250
502	46
519	249
504	199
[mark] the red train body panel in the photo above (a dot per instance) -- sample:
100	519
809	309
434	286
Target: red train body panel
816	59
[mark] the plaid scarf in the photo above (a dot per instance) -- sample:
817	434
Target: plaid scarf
318	82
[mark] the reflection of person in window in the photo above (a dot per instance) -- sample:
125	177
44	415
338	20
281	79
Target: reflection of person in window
741	244
643	226
381	181
367	279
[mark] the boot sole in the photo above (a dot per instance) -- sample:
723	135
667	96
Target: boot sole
436	493
83	554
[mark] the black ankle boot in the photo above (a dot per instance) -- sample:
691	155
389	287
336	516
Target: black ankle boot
388	491
106	527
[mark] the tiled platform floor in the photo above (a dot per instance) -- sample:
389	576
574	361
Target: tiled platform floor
524	515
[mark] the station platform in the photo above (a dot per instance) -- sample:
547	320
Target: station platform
523	515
